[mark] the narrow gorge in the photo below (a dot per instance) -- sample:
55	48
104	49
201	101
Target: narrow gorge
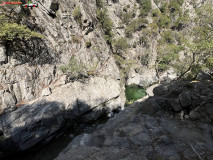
106	79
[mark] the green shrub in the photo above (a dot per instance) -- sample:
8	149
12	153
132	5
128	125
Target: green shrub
106	24
75	39
77	15
135	25
88	44
167	37
175	6
121	44
145	59
164	8
145	7
166	55
143	40
99	3
10	31
126	17
156	13
164	21
209	62
181	21
74	66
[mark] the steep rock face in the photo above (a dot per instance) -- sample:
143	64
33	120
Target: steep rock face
149	130
3	56
36	97
42	118
191	100
35	64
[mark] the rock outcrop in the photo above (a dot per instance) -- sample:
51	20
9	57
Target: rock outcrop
40	119
150	130
38	94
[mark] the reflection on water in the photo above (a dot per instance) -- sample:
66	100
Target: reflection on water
134	92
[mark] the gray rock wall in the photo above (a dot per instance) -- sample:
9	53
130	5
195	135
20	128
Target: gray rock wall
42	118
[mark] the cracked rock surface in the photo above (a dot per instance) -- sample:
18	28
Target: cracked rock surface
149	130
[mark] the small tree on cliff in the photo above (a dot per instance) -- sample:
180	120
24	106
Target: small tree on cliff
10	31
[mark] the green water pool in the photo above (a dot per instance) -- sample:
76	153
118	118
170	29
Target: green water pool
134	92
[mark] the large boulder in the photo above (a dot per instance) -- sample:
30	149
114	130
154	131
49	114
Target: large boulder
133	134
185	99
8	99
41	118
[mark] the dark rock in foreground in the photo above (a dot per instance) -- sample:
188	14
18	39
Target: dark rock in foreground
152	129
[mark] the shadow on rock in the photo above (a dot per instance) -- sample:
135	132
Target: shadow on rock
37	123
33	51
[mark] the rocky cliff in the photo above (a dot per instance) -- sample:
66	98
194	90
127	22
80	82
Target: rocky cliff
153	128
85	54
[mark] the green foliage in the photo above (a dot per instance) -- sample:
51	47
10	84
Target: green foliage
74	66
145	7
166	55
171	15
175	6
164	21
127	17
75	39
77	15
164	7
10	31
167	37
209	62
88	44
121	44
202	45
135	25
106	23
145	59
143	40
99	3
156	12
125	64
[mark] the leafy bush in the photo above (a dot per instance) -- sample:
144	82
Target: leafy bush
10	31
145	7
88	44
156	12
121	44
127	17
135	25
166	37
99	3
164	7
74	66
106	23
145	59
166	55
77	15
164	21
75	39
175	6
209	62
